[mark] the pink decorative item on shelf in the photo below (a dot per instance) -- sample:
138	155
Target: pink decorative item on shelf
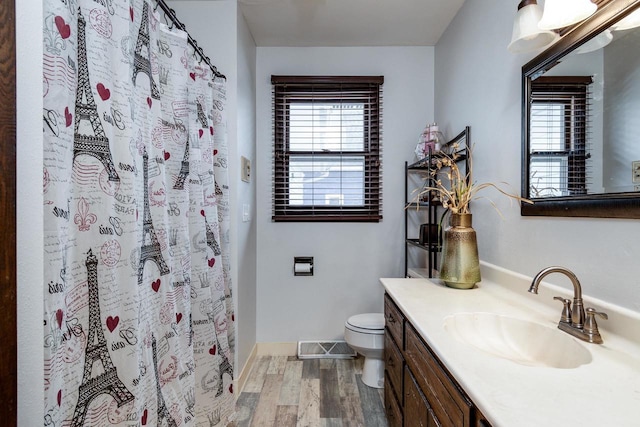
429	141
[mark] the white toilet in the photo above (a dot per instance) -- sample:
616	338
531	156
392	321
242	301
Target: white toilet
364	333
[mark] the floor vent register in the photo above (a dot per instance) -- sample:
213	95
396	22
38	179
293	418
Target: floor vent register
325	350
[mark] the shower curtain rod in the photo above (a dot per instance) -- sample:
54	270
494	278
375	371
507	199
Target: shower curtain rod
171	14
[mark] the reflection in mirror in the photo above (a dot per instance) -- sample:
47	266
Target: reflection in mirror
581	151
584	118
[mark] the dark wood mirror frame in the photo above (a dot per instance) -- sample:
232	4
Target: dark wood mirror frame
613	205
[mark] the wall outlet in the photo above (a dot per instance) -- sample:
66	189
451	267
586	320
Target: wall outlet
635	169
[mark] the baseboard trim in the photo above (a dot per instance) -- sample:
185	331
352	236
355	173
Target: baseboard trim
246	370
264	349
277	348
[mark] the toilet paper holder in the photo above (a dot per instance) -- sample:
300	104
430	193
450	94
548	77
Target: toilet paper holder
303	266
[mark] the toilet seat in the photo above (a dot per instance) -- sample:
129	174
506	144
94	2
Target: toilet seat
367	323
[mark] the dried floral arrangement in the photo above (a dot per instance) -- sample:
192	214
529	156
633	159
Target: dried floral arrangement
455	189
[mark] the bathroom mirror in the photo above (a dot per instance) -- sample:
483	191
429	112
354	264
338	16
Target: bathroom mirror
581	119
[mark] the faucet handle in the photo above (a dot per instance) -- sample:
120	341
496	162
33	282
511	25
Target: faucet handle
566	310
590	325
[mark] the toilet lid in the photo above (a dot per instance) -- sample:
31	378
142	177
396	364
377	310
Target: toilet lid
373	322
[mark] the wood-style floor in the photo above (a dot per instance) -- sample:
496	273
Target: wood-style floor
283	391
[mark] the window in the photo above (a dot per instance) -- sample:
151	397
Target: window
559	136
327	148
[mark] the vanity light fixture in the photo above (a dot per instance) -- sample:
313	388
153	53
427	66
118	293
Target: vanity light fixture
598	42
526	34
562	13
628	22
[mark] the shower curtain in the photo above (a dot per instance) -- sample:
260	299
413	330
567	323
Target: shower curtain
138	309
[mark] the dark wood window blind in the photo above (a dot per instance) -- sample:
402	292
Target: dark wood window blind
560	136
327	148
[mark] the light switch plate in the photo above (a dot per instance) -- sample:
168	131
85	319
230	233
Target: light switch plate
245	169
635	169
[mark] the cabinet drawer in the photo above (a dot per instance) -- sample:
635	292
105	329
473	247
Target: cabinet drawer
393	364
449	404
391	407
394	321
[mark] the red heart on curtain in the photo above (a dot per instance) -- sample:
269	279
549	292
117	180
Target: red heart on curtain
202	212
231	388
131	13
63	28
193	76
103	91
212	350
59	397
212	262
112	323
200	133
211	130
59	315
215	152
233	317
155	285
149	102
143	420
167	155
67	116
178	317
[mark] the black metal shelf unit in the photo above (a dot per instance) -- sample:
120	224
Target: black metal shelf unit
428	205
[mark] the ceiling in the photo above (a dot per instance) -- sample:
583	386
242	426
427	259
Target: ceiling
348	22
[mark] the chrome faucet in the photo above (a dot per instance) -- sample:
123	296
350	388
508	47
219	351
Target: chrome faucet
572	320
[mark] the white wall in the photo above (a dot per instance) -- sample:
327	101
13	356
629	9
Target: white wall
30	237
349	258
478	83
221	32
246	284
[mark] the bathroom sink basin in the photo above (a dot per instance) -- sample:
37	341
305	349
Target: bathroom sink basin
517	340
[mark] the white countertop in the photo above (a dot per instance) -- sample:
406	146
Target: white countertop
604	392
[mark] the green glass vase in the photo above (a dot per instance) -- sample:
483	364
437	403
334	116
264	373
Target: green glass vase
460	265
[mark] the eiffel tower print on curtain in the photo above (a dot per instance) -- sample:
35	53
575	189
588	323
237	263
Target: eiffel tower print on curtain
142	62
225	368
211	239
107	382
163	412
202	118
184	169
150	249
96	145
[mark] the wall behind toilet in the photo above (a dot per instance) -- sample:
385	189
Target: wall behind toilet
350	257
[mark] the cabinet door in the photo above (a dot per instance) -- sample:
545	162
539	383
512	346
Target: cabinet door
393	364
481	421
391	406
445	398
416	408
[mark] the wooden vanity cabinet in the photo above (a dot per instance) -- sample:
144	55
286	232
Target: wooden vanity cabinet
393	362
418	388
